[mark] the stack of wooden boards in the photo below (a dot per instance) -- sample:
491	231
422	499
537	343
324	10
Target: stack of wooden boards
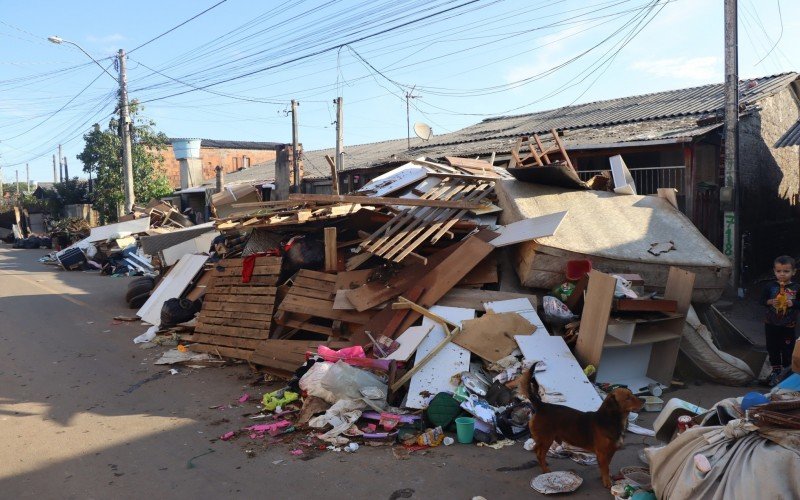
236	316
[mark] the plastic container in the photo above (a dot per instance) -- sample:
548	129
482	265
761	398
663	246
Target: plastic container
653	403
465	429
577	269
666	422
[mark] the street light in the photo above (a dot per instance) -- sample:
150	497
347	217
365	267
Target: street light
127	156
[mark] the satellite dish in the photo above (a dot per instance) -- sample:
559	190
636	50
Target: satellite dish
423	131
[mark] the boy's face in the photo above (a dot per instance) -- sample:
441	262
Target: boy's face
783	272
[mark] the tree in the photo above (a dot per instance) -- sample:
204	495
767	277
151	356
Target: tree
102	157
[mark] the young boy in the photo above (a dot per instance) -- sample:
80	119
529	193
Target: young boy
780	297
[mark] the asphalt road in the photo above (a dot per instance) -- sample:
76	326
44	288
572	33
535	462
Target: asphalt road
84	413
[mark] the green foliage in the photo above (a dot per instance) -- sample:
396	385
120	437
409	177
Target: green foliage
102	157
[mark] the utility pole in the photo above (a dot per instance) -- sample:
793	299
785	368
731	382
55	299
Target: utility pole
339	140
295	154
16	171
60	166
409	95
730	196
125	122
55	174
66	170
27	179
2	198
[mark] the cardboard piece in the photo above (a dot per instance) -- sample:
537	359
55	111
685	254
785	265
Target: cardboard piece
171	286
409	341
492	335
528	229
524	307
562	381
435	376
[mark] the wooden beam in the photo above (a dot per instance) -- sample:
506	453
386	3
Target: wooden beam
330	249
334	175
366	200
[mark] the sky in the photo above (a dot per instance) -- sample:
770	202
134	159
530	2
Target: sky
228	69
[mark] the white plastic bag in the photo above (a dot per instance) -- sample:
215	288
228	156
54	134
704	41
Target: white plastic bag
347	382
311	382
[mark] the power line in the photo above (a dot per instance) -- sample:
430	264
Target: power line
176	27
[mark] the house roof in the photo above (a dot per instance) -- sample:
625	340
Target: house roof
218	144
661	117
791	137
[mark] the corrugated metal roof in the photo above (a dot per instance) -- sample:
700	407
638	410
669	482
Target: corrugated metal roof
791	137
662	116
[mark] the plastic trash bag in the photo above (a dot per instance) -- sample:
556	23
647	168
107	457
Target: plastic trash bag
556	312
347	382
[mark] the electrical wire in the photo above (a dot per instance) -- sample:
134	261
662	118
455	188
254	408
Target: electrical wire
176	27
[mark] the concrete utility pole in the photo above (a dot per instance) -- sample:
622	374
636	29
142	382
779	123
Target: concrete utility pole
295	152
339	139
60	166
125	120
27	179
66	170
730	198
16	171
1	185
409	95
55	174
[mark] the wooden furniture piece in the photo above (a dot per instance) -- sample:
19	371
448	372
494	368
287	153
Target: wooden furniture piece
634	351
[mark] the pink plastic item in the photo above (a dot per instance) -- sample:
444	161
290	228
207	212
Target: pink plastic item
273	429
333	355
577	269
227	436
244	398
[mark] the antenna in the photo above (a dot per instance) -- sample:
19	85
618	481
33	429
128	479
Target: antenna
423	131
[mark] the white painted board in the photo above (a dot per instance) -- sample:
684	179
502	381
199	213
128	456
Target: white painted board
102	233
563	381
409	340
626	365
528	229
435	376
623	180
523	307
171	286
200	244
394	180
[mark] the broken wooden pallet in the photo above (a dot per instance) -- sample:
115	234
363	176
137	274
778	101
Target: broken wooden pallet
236	316
308	306
283	357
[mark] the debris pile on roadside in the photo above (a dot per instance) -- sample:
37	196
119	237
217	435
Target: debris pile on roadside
404	313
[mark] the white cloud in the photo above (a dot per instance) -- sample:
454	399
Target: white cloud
682	68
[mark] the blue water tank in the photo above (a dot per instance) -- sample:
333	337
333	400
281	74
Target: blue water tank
186	148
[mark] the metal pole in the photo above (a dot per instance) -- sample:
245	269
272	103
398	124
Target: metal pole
408	120
2	193
339	140
295	153
730	194
127	158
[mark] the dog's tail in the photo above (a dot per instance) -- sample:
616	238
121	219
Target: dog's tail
529	388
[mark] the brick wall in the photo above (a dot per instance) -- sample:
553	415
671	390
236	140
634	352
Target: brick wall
230	159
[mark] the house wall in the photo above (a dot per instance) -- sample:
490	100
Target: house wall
230	159
769	181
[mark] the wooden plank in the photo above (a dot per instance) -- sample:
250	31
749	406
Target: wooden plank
288	355
645	305
387	321
244	290
347	280
246	323
257	270
290	320
471	163
316	275
237	280
452	270
232	331
235	307
200	286
331	251
492	335
227	352
594	321
485	272
218	340
313	284
321	309
264	316
474	299
254	299
409	340
380	201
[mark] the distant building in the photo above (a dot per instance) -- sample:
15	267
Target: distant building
232	156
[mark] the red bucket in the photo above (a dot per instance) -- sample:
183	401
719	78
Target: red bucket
577	269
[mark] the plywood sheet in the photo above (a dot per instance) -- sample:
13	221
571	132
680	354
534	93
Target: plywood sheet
199	244
409	340
171	286
435	376
563	381
523	307
492	335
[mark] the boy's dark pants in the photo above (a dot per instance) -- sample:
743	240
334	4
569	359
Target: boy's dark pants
780	343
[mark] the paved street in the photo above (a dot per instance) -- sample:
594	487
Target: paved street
84	413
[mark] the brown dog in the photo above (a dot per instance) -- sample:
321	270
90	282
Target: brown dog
598	431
